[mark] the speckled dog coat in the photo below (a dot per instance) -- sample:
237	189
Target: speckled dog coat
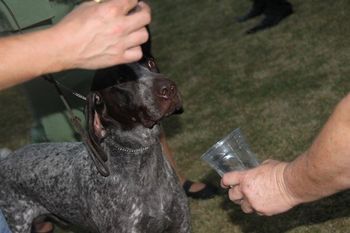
142	193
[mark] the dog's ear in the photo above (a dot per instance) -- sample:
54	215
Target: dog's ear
95	109
148	60
96	132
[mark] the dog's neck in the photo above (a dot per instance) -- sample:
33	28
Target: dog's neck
135	140
134	150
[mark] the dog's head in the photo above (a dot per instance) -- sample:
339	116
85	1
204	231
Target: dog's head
127	96
125	103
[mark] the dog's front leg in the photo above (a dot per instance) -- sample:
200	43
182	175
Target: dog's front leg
18	222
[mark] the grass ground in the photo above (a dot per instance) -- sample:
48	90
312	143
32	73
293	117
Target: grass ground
279	86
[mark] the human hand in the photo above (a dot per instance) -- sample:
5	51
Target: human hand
262	189
98	35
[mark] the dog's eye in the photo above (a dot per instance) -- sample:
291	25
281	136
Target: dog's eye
98	99
151	64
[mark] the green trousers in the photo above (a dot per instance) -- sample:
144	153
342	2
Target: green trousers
51	122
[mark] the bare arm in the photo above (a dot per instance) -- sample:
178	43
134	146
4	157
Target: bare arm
275	187
325	168
92	36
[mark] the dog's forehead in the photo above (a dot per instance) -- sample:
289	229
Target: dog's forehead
120	74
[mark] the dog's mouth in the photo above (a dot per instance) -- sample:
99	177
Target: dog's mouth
166	109
148	123
174	108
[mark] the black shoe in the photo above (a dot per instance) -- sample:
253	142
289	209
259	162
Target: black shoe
207	192
256	10
271	19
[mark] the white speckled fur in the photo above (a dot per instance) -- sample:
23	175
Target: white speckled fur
141	195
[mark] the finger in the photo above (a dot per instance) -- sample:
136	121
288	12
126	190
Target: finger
144	6
224	186
259	213
235	194
128	5
269	161
132	54
123	6
246	207
138	20
238	202
231	178
140	5
136	38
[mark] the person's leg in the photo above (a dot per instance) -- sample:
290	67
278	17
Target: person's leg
192	189
3	225
41	225
275	11
51	123
257	9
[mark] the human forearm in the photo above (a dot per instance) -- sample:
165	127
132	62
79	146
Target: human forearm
324	169
275	187
26	56
92	36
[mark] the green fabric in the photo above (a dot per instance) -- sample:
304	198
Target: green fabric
61	8
33	14
50	118
24	13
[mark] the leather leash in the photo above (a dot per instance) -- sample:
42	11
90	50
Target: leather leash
99	158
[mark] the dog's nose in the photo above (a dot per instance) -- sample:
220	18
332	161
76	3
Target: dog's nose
166	88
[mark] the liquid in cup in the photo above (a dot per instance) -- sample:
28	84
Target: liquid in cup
232	153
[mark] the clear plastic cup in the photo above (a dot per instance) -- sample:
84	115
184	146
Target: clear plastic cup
232	153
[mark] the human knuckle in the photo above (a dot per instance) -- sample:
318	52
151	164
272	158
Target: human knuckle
119	29
135	55
257	207
230	195
262	211
144	35
226	179
260	207
127	4
138	53
238	195
246	209
131	2
111	11
147	17
245	188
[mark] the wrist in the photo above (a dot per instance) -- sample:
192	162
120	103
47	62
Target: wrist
289	193
58	54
